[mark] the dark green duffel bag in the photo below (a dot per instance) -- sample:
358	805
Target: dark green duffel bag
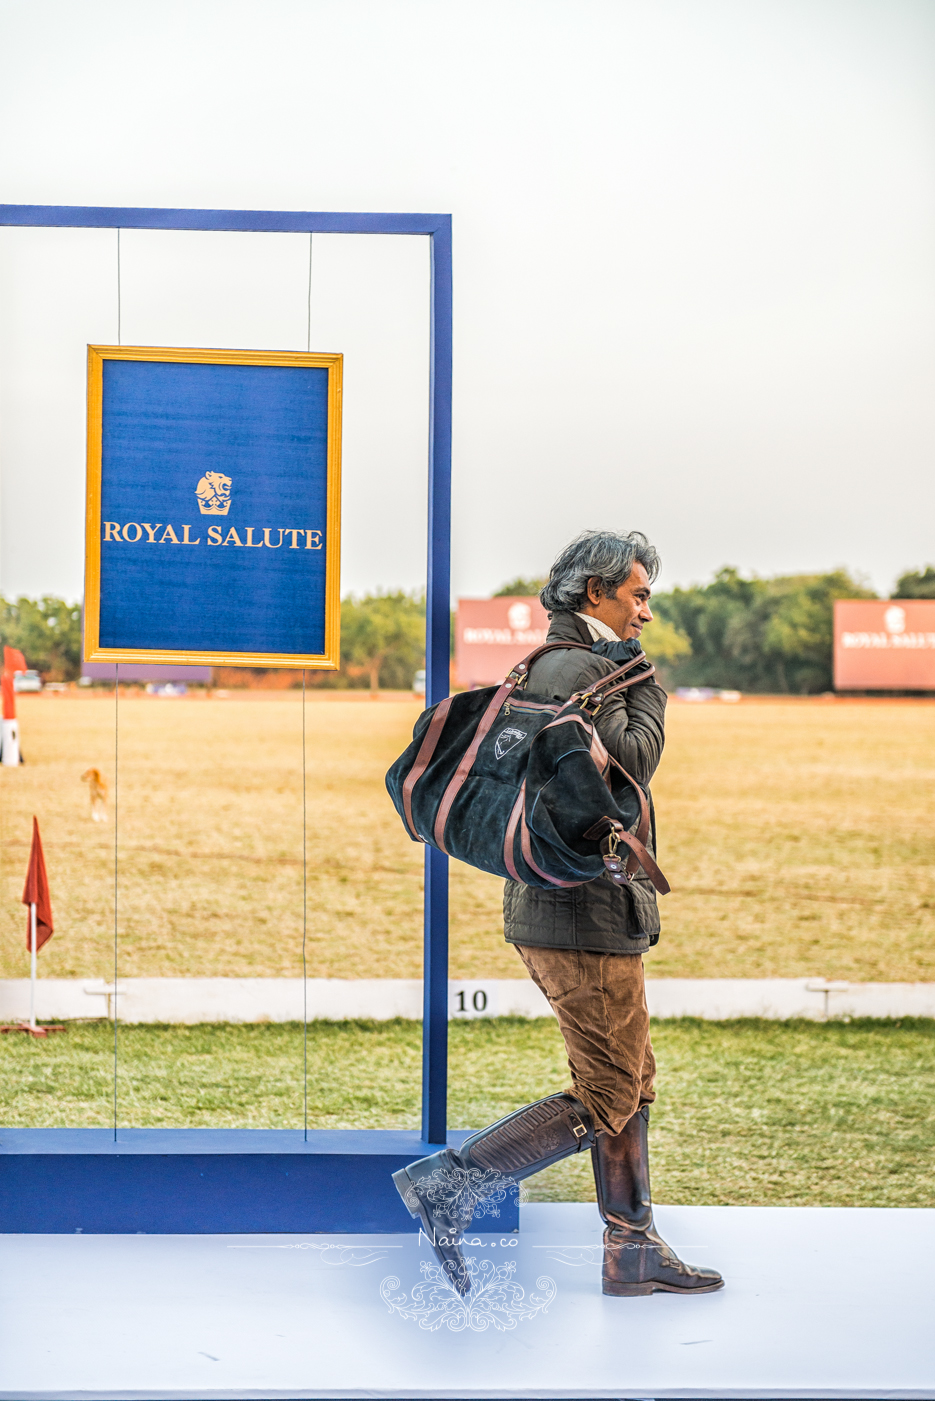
522	786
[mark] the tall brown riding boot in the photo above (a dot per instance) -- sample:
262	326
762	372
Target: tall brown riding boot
442	1191
636	1259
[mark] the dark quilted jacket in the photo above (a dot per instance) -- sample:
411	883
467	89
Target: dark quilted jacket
600	915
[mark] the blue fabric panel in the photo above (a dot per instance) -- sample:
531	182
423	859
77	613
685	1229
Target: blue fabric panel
165	426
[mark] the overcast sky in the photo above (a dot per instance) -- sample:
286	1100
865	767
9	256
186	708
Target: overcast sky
694	262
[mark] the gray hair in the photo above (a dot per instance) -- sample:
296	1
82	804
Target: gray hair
606	555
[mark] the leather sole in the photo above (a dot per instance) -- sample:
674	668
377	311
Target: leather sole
632	1291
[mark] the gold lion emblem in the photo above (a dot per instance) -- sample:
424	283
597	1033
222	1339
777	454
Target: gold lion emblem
214	494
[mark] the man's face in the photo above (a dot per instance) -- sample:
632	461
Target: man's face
629	611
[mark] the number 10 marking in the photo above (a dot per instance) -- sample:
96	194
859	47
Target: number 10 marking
478	1001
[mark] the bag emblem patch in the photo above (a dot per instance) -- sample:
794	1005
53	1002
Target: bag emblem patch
508	739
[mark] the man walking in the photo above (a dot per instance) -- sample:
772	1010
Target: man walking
583	947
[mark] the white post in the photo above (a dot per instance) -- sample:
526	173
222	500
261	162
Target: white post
9	746
32	967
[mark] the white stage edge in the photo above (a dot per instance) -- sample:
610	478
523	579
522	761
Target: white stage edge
819	1303
192	1000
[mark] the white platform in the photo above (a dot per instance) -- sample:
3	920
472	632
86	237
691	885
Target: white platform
818	1303
192	1000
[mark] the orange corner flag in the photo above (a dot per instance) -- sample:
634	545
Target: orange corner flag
36	892
13	659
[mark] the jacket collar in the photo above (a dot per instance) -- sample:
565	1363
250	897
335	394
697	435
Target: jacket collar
566	627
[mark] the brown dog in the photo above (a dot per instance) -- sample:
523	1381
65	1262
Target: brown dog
98	787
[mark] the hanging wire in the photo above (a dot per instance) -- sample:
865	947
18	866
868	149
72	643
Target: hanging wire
304	926
308	346
308	339
116	817
116	758
119	327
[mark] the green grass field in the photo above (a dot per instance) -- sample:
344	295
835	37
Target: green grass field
797	837
749	1113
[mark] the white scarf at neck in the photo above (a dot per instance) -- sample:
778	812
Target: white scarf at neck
597	629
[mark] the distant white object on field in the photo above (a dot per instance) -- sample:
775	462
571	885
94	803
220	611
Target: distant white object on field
171	688
697	694
418	684
9	743
27	681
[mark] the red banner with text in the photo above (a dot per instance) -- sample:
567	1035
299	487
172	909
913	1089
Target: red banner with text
492	634
884	645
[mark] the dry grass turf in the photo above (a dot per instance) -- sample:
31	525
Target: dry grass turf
750	1112
797	837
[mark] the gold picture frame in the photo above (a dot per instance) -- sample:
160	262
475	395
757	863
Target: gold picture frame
328	659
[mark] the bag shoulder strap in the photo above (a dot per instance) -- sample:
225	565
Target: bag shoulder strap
520	672
599	689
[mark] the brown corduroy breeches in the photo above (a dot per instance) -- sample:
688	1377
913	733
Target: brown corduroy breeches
600	1002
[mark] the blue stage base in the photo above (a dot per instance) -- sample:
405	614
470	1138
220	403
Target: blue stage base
210	1181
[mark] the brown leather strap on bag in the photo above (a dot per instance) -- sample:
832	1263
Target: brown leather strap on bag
602	690
423	758
642	829
526	845
467	761
611	833
510	838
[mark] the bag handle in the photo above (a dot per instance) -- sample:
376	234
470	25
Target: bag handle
600	692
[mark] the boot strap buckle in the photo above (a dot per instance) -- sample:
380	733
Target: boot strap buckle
579	1130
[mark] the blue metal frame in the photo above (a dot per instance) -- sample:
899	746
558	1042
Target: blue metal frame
438	615
214	1181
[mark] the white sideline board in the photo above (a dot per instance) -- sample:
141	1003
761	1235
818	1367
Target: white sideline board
193	1000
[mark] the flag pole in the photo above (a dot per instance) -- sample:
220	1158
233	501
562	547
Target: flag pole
32	966
36	893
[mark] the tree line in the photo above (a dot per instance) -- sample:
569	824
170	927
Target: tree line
751	634
382	639
738	633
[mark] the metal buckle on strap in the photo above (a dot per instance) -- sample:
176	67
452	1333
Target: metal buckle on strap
579	1130
588	699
